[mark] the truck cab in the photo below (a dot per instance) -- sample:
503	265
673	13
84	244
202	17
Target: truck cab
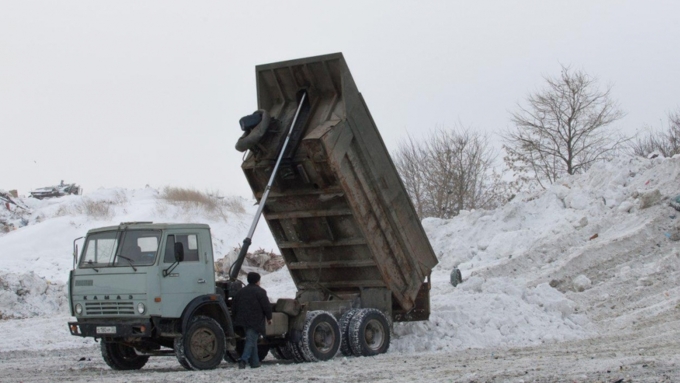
141	286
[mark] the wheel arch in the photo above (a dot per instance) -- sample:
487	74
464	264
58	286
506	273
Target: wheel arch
213	306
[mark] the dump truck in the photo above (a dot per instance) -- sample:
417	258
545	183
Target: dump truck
337	209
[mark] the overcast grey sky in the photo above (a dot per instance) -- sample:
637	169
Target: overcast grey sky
129	93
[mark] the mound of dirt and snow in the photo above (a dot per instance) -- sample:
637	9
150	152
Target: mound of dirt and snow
599	246
28	295
593	253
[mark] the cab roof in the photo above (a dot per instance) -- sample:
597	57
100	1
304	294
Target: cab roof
151	226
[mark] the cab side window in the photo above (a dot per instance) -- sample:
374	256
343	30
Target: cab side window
188	241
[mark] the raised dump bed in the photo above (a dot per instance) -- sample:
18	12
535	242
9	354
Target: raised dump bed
337	209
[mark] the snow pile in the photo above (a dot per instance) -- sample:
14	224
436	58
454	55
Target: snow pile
492	313
600	243
27	295
611	201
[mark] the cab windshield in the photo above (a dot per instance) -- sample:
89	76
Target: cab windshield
120	248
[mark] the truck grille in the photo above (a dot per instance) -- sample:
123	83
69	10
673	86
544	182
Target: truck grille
109	308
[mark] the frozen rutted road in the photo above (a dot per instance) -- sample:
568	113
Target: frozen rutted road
623	358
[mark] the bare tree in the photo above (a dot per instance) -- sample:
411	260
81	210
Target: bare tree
409	160
563	129
450	171
667	142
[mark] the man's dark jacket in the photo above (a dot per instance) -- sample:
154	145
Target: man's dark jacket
250	308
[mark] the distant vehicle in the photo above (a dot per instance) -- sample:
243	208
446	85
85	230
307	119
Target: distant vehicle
340	215
56	191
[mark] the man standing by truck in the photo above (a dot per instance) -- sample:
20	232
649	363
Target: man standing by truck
250	308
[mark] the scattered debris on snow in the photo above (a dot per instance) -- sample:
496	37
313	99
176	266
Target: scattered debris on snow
581	283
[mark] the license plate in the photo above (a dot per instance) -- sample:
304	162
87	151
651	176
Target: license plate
106	329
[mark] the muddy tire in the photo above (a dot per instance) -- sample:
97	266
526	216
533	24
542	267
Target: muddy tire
285	352
369	333
121	357
321	336
293	349
202	346
281	352
344	329
276	353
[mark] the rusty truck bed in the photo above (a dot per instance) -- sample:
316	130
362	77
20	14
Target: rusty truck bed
337	209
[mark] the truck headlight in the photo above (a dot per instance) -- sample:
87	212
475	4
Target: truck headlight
141	308
79	309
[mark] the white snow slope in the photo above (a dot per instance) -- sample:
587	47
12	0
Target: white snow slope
592	254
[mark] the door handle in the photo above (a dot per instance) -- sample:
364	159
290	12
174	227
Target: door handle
201	280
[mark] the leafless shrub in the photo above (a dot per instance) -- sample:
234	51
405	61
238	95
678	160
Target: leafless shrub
189	196
96	209
119	197
450	171
211	203
667	142
562	129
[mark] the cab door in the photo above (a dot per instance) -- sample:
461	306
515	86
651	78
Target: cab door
192	277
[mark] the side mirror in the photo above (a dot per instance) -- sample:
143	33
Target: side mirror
75	252
179	252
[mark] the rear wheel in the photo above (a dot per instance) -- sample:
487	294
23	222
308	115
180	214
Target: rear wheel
321	336
277	354
281	352
369	333
121	357
202	346
344	328
293	349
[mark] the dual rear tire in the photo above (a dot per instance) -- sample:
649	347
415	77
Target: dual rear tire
367	332
320	340
360	332
321	337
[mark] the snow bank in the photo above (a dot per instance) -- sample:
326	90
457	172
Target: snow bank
489	313
610	201
28	295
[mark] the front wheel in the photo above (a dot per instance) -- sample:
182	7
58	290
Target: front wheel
202	346
121	357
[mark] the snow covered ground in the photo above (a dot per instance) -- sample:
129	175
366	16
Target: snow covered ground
590	265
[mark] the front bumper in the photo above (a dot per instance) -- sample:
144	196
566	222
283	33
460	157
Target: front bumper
112	328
